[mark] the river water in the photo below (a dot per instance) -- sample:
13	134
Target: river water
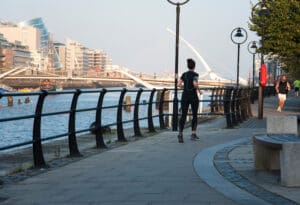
21	130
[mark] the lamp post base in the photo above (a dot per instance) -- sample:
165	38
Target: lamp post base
260	102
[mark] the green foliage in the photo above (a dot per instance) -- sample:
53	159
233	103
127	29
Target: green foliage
281	28
16	170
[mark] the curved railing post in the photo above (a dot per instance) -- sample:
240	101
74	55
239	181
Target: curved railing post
38	157
232	106
136	125
249	111
227	108
150	105
247	102
218	97
238	105
221	97
217	108
252	98
98	121
244	111
73	148
212	100
161	110
120	130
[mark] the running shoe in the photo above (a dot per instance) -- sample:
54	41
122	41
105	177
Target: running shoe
180	138
194	137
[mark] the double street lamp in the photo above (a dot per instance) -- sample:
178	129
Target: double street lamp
175	100
252	48
261	9
238	36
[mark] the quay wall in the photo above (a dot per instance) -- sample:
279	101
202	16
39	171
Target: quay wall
66	84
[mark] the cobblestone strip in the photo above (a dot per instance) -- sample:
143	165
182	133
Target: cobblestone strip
254	123
222	164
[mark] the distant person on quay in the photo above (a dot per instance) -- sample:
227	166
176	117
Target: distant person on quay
189	82
296	87
282	88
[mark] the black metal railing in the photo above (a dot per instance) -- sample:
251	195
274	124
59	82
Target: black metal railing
231	102
267	92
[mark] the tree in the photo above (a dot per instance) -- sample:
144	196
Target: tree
282	32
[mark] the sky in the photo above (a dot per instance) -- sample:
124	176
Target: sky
134	32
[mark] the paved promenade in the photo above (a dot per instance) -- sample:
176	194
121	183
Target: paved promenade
218	169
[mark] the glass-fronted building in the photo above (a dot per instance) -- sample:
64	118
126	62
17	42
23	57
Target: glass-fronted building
47	47
39	24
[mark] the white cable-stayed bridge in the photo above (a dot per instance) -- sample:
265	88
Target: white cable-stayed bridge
124	75
208	71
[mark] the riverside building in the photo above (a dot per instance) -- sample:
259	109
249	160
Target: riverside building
15	54
49	56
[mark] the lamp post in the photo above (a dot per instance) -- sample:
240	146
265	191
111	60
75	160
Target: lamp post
252	48
238	36
175	100
263	11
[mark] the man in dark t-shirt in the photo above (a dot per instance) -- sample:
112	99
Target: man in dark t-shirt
189	82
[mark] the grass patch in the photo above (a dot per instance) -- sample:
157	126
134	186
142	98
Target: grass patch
16	170
152	134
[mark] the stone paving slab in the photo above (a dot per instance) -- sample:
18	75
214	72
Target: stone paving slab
155	170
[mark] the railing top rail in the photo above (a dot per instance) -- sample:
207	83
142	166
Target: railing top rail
107	90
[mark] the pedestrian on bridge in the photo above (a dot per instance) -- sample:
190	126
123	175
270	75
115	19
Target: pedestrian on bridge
189	82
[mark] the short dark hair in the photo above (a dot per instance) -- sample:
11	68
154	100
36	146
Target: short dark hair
191	63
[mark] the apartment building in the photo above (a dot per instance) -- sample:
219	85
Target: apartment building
25	44
98	59
21	55
77	58
15	54
27	35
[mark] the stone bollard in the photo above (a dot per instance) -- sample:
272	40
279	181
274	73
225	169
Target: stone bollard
166	98
283	125
128	104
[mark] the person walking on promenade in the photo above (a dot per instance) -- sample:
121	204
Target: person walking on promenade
189	82
296	87
282	88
